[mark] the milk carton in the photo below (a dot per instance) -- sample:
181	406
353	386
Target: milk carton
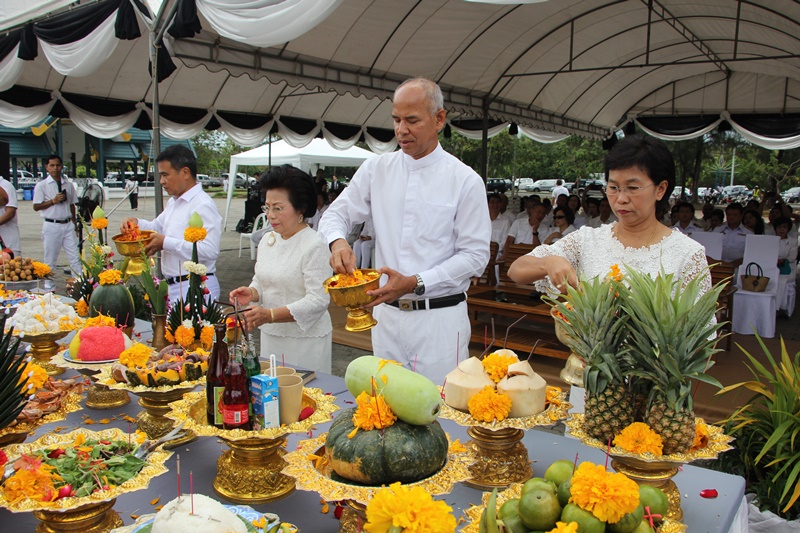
264	391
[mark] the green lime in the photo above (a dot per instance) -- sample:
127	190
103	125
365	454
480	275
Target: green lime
627	523
539	509
510	508
644	527
564	492
654	498
514	524
559	472
587	522
536	483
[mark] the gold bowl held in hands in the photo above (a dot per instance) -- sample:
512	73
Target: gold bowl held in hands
133	250
353	296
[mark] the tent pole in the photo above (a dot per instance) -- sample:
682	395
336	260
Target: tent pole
485	142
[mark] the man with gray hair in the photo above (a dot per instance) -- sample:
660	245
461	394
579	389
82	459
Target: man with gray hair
432	232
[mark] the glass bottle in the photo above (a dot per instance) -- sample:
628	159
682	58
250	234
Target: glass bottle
252	367
236	398
215	377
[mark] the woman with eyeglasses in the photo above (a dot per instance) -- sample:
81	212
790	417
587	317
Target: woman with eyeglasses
562	224
287	301
640	173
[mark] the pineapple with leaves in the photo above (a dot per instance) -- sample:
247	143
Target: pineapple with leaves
12	387
596	331
672	336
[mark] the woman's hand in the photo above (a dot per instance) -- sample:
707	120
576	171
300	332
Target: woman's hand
560	272
256	316
242	295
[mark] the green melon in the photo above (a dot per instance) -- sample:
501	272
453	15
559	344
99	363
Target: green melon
114	301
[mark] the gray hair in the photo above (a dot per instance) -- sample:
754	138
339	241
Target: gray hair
433	93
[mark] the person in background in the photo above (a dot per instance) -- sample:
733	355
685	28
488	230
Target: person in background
320	182
365	245
132	190
752	221
54	198
505	212
574	204
716	219
558	190
528	231
562	225
500	224
177	168
336	185
321	205
787	264
9	223
685	222
604	215
734	234
432	232
705	222
291	304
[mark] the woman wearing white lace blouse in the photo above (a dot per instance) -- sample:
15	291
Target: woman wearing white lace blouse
292	263
640	173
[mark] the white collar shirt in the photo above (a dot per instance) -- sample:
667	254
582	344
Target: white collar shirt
46	190
733	241
689	229
557	191
174	220
430	217
10	230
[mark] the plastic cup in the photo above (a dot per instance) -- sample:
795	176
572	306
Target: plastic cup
290	394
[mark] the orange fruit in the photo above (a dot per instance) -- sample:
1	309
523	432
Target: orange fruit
539	509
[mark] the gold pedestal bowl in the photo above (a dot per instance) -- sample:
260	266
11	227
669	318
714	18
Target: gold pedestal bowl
98	396
134	251
352	297
44	347
152	421
93	518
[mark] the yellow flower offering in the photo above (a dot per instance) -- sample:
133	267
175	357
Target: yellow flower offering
701	436
111	276
496	365
615	273
99	320
563	527
372	412
358	277
100	223
639	438
82	308
136	356
194	234
608	496
184	336
36	484
40	270
34	377
207	337
489	405
412	510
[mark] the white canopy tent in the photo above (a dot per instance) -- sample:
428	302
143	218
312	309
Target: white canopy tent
317	153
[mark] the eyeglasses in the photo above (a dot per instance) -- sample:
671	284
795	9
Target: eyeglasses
277	210
559	217
633	190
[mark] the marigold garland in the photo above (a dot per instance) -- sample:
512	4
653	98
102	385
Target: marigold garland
33	376
372	412
82	308
608	496
100	320
563	527
207	337
136	356
111	276
100	223
489	405
496	365
411	509
701	436
639	438
184	336
40	269
169	336
191	234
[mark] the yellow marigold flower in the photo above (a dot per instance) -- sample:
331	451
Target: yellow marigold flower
358	277
33	377
701	436
184	336
496	365
110	277
372	413
563	527
639	438
40	270
489	405
207	337
139	436
615	273
136	356
100	320
194	234
456	447
36	484
81	308
169	336
411	509
551	395
608	496
100	223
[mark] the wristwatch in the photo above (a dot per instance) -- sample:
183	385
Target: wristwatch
419	290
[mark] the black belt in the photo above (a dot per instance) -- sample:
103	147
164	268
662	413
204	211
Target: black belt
177	279
432	303
58	221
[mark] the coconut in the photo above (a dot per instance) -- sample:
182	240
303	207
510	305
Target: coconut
209	517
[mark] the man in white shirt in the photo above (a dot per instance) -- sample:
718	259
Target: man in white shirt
54	198
500	224
432	234
177	167
558	190
9	224
505	212
685	222
132	190
605	216
734	233
531	230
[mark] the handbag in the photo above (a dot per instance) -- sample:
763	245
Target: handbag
785	269
754	283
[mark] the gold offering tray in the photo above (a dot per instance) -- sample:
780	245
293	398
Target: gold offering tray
18	433
97	396
514	491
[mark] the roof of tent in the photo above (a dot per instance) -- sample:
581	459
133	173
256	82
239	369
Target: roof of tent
568	66
317	152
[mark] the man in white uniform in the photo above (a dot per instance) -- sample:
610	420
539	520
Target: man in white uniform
177	167
685	222
9	225
734	234
432	235
54	198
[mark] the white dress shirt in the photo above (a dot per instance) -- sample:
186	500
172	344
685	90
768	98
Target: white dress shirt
46	190
595	222
522	231
10	230
689	229
430	217
174	220
733	241
557	191
500	227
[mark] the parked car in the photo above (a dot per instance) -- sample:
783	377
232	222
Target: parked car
23	177
525	184
498	185
570	185
543	185
735	193
676	192
207	181
792	196
592	185
243	181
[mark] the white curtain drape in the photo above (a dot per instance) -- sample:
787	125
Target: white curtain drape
786	143
83	57
477	135
179	132
296	139
684	137
265	23
10	69
243	137
336	142
378	146
100	126
12	116
545	137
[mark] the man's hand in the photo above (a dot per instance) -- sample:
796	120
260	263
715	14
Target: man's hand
397	286
155	245
343	260
60	197
127	223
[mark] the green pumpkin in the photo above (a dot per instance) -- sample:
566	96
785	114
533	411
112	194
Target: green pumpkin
401	452
115	301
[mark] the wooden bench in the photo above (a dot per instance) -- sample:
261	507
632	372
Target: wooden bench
724	272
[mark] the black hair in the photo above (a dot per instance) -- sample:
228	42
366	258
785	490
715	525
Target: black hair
681	205
759	229
179	157
780	221
51	157
593	201
719	213
648	154
735	205
298	185
493	195
567	212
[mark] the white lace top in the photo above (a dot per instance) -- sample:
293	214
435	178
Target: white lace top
592	252
290	272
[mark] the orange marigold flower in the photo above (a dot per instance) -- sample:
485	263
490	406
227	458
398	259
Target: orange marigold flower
111	276
40	269
184	336
100	320
372	413
489	405
136	356
358	277
412	510
615	273
496	365
169	336
701	436
100	223
639	438
82	308
36	484
608	496
34	377
563	527
207	337
191	234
